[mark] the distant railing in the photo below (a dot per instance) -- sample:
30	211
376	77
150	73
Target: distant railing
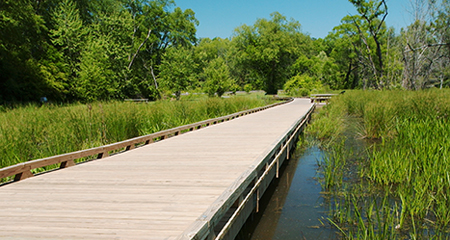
143	100
321	97
23	170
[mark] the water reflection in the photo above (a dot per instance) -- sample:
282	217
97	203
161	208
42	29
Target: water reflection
293	205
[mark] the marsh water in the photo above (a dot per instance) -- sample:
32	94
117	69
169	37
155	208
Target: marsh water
293	206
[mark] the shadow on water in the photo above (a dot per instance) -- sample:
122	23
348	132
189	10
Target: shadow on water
292	206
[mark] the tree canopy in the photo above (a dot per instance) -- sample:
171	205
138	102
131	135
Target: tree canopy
82	50
268	49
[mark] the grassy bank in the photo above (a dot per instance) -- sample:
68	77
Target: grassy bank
33	132
401	189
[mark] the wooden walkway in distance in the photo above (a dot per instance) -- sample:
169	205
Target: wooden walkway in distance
164	190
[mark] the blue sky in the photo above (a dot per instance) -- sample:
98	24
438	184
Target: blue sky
218	18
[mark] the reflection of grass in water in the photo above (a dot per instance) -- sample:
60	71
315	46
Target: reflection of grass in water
402	189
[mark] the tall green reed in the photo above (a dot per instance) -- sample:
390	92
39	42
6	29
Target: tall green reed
408	162
324	129
32	131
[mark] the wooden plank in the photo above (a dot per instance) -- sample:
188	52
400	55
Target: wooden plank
13	170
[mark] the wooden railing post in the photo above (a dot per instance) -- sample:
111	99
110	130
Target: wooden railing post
23	175
66	164
103	155
130	147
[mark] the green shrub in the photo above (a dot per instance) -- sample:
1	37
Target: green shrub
301	85
248	87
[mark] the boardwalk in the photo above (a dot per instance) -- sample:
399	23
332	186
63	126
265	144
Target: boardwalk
159	191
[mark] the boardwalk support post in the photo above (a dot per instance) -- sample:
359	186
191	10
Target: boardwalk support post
257	200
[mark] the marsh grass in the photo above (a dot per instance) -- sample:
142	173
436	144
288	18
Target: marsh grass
325	130
402	187
33	132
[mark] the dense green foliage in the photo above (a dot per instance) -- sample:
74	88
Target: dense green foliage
33	131
402	185
69	50
82	50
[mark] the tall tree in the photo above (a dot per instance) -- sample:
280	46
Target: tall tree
155	28
371	24
87	50
68	37
208	50
96	79
441	24
104	59
425	45
177	70
217	76
22	45
343	48
269	47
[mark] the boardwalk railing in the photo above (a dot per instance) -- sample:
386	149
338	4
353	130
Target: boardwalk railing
139	100
24	170
256	187
321	97
229	213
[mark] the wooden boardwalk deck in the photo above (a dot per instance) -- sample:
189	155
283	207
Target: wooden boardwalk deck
159	191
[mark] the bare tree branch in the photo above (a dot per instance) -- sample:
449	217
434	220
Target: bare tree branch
139	48
154	77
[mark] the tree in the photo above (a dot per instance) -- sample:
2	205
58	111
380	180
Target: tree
22	46
217	77
113	29
425	45
301	85
95	79
342	49
177	70
155	29
68	38
442	25
268	49
208	50
371	24
70	50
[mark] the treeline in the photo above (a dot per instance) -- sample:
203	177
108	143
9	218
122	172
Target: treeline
82	50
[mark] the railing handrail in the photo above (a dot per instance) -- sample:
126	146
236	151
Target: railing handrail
323	95
21	171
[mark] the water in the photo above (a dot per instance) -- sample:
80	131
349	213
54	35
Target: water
293	207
